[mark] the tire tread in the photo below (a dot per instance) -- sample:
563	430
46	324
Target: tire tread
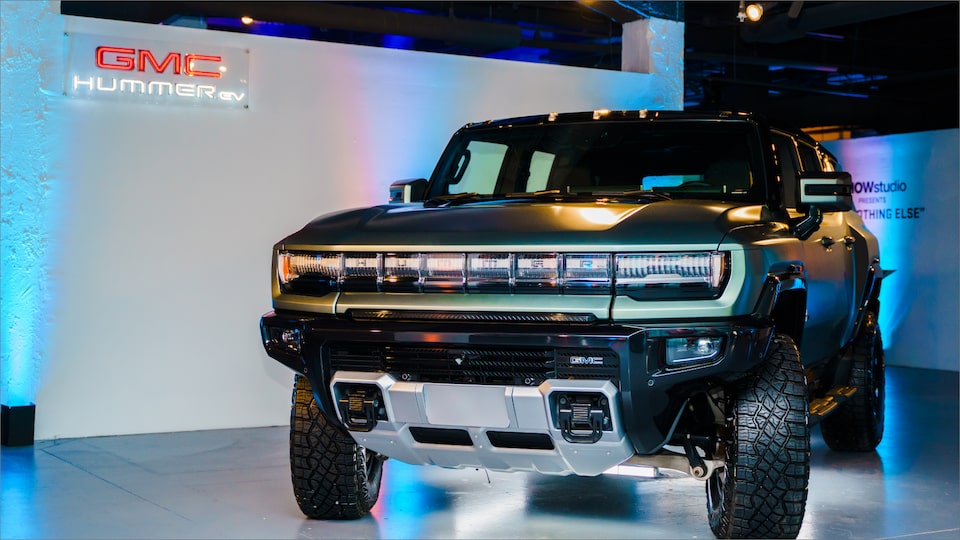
328	469
856	426
768	456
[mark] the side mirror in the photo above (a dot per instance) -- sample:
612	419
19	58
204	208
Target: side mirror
828	191
809	223
410	190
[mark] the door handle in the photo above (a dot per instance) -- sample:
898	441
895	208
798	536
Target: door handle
827	241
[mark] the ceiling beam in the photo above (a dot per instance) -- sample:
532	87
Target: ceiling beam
615	11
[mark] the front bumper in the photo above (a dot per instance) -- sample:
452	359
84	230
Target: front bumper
472	415
504	428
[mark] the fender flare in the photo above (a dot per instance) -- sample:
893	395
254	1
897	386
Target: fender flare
870	300
784	280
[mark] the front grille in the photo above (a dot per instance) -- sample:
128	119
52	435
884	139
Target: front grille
587	364
456	316
513	366
355	357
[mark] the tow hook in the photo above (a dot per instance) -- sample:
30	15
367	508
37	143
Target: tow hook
583	417
360	406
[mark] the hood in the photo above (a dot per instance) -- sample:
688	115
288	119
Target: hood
528	224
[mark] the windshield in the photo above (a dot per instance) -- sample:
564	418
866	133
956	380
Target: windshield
715	160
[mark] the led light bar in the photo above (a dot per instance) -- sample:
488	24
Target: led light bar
587	272
361	271
638	275
443	271
401	271
537	271
489	272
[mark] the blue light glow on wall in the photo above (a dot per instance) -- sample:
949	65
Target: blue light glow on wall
28	188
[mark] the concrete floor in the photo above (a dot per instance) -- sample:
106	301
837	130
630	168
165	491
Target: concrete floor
235	484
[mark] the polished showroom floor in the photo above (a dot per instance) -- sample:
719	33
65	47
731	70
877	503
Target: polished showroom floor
235	484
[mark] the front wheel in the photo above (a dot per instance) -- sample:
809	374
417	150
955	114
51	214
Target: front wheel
333	476
761	492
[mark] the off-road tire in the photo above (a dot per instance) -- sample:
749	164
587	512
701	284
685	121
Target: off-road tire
333	476
762	490
857	425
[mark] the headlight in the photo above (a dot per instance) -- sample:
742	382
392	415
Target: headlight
638	275
309	273
672	275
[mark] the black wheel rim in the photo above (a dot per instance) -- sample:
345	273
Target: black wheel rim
716	485
373	467
876	375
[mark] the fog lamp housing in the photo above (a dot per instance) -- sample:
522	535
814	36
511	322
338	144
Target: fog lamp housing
286	339
689	351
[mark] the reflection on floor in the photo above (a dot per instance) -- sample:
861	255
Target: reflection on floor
235	484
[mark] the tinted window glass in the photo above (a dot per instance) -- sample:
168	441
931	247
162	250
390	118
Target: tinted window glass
718	160
477	168
809	158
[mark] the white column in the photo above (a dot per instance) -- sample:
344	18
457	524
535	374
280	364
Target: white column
32	43
655	46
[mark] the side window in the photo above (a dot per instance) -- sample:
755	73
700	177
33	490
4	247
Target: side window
787	159
479	168
809	157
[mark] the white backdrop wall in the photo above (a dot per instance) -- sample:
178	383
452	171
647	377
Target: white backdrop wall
906	189
161	217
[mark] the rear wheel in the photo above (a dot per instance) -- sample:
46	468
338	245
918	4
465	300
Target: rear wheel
857	425
333	476
762	490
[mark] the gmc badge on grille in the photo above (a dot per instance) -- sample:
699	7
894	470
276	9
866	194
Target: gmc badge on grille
586	360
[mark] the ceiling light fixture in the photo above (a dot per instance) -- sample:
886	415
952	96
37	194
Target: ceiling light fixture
752	12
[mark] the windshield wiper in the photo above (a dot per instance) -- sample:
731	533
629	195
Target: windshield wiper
639	194
557	195
454	199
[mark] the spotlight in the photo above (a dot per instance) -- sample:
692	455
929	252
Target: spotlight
246	19
751	12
